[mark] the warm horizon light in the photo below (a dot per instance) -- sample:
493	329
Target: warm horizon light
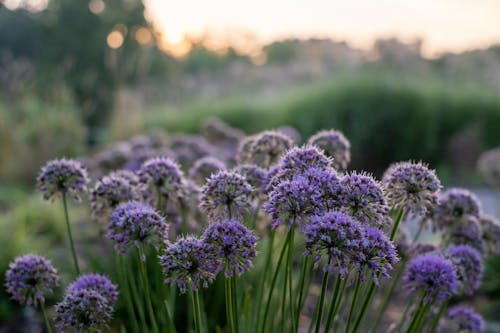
443	25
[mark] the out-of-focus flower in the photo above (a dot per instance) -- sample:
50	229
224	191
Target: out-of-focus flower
453	205
96	282
290	132
468	266
62	176
335	145
468	232
466	319
164	174
489	165
268	147
256	176
490	227
204	168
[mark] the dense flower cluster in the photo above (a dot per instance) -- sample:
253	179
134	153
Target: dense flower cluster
29	278
164	174
95	282
63	176
299	159
244	154
186	149
432	275
256	176
466	319
335	145
189	262
412	186
468	232
455	204
490	228
234	243
468	266
226	195
268	147
134	223
204	168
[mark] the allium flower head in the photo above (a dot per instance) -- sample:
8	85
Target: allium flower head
29	278
336	238
95	282
189	262
468	266
234	244
134	223
290	132
268	147
62	176
226	195
256	176
422	248
468	232
245	152
466	319
433	275
299	159
453	205
411	185
83	310
490	227
362	197
164	174
335	145
489	166
204	168
189	148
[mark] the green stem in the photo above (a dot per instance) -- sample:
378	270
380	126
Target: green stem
353	303
184	217
263	278
324	284
289	274
170	322
234	298
399	217
416	315
73	251
333	302
45	319
403	317
435	322
300	302
197	311
229	305
419	231
420	320
145	284
364	307
124	288
283	297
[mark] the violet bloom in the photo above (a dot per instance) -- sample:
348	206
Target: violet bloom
234	244
95	282
466	319
290	132
189	148
256	176
204	168
362	197
468	265
189	262
244	154
299	159
83	310
60	177
490	227
433	275
335	145
134	223
29	278
453	205
334	238
268	147
226	195
422	248
467	232
164	174
412	186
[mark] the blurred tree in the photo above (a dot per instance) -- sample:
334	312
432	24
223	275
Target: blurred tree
281	52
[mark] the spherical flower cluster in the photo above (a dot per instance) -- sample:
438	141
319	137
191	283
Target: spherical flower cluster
95	282
234	244
432	275
490	227
189	262
290	132
134	223
412	186
256	176
468	266
29	278
164	174
327	184
468	232
113	189
453	205
244	154
268	147
189	148
204	168
362	197
60	177
466	319
422	248
299	159
335	145
83	310
336	237
226	195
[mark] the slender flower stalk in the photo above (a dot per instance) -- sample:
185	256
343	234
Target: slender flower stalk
197	311
324	284
45	319
70	236
436	319
335	302
353	303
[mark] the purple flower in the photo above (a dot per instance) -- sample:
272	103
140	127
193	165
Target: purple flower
433	275
63	176
29	278
204	168
363	198
135	223
164	174
468	265
190	262
335	237
453	205
226	195
422	248
95	282
297	160
244	154
189	148
413	186
268	147
335	145
83	310
466	319
256	176
467	232
490	227
290	132
234	244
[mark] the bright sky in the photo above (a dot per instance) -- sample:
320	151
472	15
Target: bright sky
445	25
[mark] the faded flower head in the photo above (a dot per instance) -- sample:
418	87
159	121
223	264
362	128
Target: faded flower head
411	185
135	223
245	153
468	266
95	282
226	195
466	319
468	232
268	147
189	262
433	275
362	197
83	310
164	174
335	145
453	205
256	176
336	238
234	244
62	176
490	227
29	278
290	132
204	168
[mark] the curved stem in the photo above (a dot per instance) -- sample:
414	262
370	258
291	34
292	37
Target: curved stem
145	284
324	284
70	236
45	319
399	217
197	311
353	303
